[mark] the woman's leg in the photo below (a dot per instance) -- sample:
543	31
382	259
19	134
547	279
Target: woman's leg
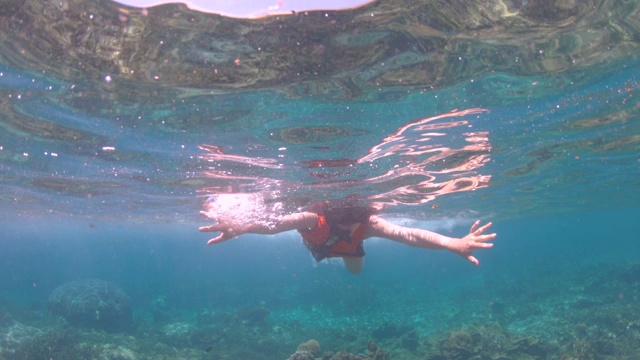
354	264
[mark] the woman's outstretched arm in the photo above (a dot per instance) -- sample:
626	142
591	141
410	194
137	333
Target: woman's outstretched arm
230	227
464	246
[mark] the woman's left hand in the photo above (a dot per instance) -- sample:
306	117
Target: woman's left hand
475	240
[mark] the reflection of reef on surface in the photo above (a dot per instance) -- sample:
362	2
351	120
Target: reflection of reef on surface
341	54
419	161
71	187
16	122
314	134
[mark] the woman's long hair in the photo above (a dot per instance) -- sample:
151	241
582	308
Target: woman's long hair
347	211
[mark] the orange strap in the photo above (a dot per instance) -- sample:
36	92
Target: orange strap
319	234
351	248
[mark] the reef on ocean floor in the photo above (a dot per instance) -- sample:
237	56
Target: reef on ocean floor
310	350
491	342
51	344
595	317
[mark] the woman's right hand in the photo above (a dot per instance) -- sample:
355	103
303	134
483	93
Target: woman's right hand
228	230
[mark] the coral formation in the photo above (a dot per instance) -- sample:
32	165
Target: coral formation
92	303
178	334
253	316
596	320
15	335
302	355
376	353
113	352
55	344
389	330
160	309
312	346
486	342
310	350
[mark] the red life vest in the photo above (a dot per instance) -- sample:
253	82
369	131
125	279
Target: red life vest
325	243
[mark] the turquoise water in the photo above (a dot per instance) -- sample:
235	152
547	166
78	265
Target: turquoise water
116	123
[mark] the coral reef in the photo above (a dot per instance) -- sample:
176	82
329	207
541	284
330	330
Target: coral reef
302	355
597	319
56	344
486	342
310	350
389	330
92	303
178	334
253	316
114	352
312	346
15	335
160	309
376	353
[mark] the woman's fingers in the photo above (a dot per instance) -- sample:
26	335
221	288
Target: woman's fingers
483	228
218	239
483	245
486	237
473	260
479	241
208	215
226	233
474	226
212	228
476	240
